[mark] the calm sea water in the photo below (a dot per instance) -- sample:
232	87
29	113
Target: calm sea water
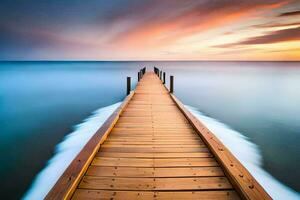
40	102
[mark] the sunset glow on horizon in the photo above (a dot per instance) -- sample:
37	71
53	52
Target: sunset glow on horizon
150	30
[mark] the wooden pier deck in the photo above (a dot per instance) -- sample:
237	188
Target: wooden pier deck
152	148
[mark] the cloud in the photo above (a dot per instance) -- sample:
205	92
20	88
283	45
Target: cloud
285	35
276	25
167	22
292	13
129	26
286	50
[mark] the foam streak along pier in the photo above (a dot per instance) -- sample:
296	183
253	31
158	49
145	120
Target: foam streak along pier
153	148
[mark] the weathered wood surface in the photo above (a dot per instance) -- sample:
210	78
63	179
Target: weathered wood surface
154	152
142	195
244	183
151	151
67	183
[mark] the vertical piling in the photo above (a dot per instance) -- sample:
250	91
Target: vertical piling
171	84
155	70
164	78
128	85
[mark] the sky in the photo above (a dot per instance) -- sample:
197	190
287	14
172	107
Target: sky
150	30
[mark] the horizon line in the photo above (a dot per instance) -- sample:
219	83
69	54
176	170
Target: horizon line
58	60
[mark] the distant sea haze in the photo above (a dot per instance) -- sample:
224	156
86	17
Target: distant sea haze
41	102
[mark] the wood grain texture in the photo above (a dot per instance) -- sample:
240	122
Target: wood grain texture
66	184
153	171
154	151
154	155
157	184
244	182
153	162
142	195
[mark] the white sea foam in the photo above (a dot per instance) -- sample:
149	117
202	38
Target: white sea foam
66	151
248	154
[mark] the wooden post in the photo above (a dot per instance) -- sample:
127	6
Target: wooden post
139	76
171	84
155	70
164	78
128	85
160	75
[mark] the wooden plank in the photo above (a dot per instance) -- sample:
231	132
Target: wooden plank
169	132
244	182
178	124
151	135
142	195
154	155
155	142
175	140
153	172
108	145
152	130
180	117
153	150
66	184
154	118
150	162
144	114
149	138
174	133
154	127
157	184
141	130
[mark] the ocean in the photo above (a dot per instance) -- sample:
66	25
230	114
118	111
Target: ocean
42	102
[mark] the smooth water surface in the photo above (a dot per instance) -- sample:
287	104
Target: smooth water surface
259	99
40	102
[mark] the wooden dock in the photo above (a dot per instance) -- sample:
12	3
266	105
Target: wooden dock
153	148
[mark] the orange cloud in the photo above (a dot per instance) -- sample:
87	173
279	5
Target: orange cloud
285	35
160	33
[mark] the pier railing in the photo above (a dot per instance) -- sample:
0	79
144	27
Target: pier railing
140	76
162	76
